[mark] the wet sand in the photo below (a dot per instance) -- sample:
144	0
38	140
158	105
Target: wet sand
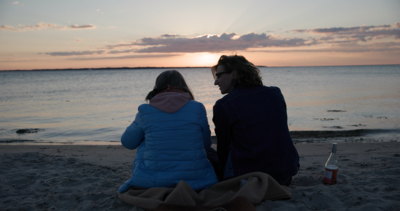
87	177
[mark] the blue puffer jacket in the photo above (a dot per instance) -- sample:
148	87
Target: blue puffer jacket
171	147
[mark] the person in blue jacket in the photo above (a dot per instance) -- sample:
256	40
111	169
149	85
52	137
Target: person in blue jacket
250	124
172	137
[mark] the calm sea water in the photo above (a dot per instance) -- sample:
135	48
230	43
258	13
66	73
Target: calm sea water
97	105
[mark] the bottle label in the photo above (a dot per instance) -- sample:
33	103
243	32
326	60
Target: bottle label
330	176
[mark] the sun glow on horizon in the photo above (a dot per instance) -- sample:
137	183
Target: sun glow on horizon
205	59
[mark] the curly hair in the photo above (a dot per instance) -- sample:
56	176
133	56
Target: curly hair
246	73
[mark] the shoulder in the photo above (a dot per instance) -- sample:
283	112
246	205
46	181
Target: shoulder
260	89
145	108
272	88
242	92
274	92
195	105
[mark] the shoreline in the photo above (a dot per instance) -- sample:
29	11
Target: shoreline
82	177
310	136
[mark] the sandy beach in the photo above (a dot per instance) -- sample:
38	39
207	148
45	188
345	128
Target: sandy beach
87	177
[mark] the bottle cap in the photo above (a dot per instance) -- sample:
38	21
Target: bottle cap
334	147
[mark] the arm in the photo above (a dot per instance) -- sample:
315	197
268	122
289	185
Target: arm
206	130
134	134
222	130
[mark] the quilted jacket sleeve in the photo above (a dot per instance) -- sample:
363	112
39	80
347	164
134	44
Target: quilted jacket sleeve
134	134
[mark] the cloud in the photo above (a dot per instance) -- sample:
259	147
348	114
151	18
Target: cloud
39	26
118	52
85	26
170	35
358	33
7	28
118	46
345	50
211	43
353	48
79	40
74	53
383	38
15	2
129	57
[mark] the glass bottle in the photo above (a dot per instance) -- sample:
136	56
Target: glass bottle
331	167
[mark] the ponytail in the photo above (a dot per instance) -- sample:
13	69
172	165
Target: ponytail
151	94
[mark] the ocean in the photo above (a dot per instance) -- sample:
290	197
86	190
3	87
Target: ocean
95	106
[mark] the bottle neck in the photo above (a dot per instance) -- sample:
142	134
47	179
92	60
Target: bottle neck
334	147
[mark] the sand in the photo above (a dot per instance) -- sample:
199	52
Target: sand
78	177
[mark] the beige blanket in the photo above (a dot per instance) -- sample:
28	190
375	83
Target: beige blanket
259	187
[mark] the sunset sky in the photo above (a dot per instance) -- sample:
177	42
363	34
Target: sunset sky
38	34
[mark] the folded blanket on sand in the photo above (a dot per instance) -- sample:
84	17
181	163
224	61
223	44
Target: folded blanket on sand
259	187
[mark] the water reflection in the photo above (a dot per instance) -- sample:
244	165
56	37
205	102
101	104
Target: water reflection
99	105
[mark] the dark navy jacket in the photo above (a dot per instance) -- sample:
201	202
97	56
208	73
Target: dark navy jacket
253	121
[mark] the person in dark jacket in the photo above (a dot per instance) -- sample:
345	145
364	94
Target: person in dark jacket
250	124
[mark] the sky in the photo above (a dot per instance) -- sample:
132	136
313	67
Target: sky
38	34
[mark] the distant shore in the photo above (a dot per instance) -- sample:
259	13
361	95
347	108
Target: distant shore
114	68
149	67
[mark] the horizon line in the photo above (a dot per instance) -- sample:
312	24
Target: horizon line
182	67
